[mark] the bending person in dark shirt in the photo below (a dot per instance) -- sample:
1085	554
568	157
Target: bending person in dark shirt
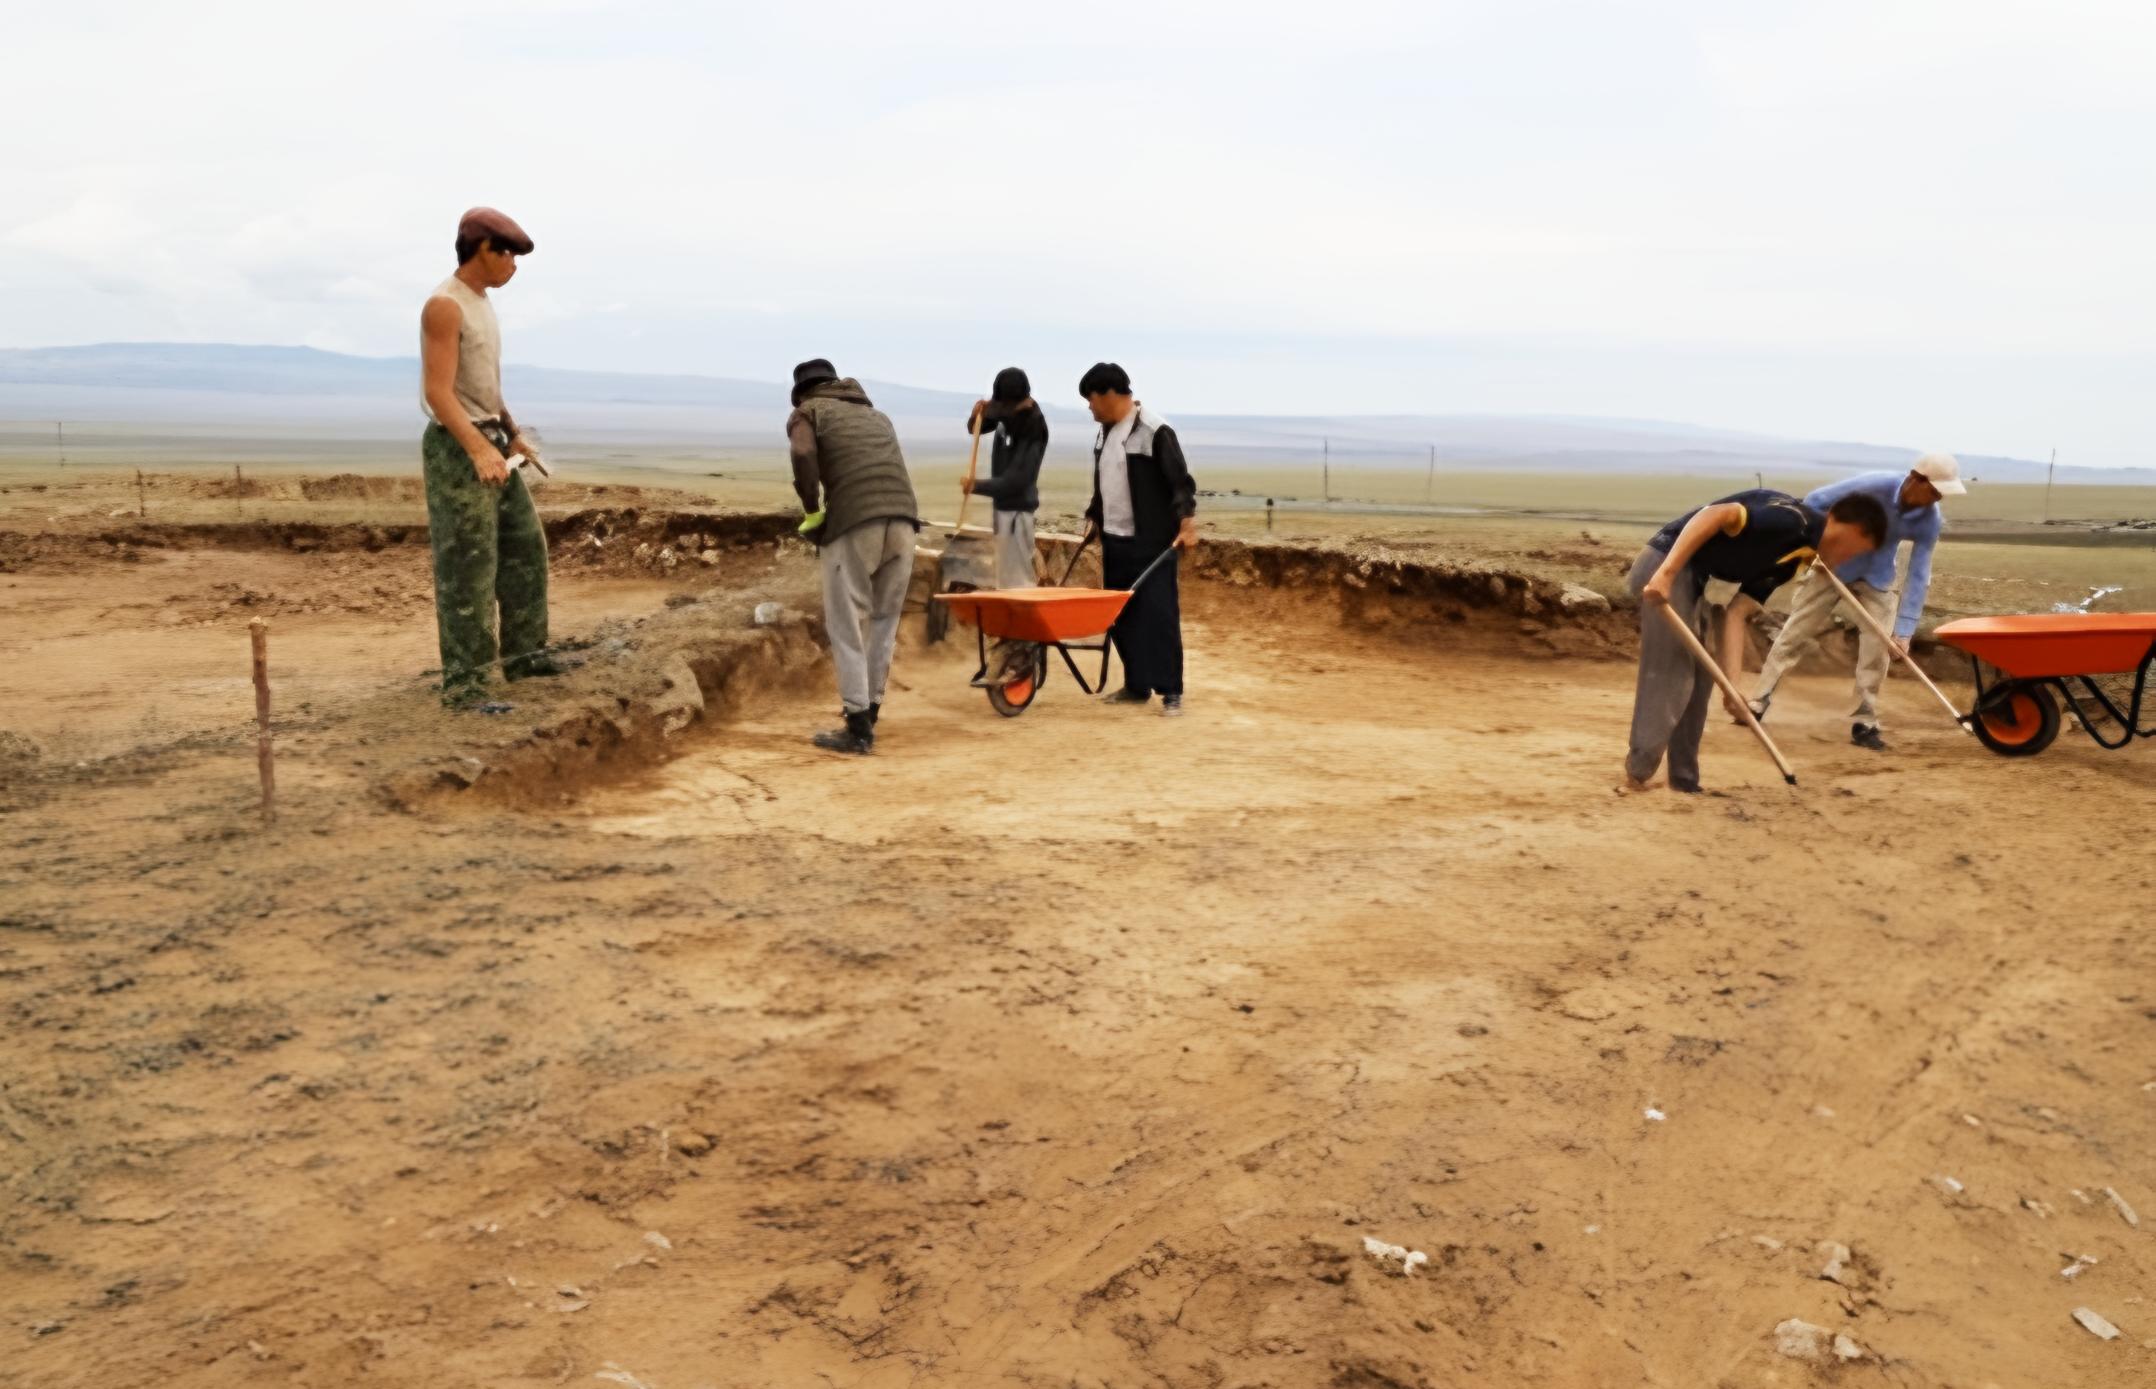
1757	540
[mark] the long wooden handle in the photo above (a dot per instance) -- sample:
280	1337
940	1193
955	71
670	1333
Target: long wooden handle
973	462
1879	630
1699	653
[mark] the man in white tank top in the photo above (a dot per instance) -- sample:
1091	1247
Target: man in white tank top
489	548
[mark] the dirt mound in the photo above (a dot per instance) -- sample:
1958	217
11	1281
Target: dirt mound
700	672
636	540
351	487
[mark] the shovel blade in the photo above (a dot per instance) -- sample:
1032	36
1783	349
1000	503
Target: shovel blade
969	560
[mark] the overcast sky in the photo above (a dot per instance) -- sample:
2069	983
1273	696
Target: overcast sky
1927	222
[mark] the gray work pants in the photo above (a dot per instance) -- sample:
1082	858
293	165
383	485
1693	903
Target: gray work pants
865	575
1014	550
1669	708
1809	620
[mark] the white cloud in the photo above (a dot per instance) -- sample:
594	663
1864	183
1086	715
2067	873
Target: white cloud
1914	211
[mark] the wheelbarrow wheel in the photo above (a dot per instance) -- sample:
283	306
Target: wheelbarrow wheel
2019	720
1012	696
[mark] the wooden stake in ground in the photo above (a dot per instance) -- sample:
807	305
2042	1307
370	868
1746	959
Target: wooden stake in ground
238	486
259	631
1706	662
142	498
1894	652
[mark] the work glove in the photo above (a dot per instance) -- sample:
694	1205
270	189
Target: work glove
810	524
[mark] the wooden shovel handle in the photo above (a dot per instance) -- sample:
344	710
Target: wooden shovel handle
1894	652
1699	653
973	463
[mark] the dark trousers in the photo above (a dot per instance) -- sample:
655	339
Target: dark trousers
1669	706
1149	635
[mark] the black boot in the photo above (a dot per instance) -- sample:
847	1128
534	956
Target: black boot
537	665
858	736
875	712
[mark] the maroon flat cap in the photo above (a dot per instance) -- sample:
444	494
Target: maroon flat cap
485	221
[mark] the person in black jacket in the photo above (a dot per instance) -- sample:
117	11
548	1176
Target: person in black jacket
1014	471
1144	502
1013	484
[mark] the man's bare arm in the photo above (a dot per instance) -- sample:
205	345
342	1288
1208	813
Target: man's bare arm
1736	623
1725	517
440	323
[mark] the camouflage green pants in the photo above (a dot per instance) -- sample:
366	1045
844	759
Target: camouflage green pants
488	548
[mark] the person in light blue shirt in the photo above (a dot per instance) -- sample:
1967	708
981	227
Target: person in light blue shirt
1912	507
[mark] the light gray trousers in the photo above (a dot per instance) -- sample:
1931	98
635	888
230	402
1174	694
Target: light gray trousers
865	575
1014	550
1810	619
1669	708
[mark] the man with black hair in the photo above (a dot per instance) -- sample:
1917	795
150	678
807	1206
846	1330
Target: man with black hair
1014	470
489	549
1144	503
851	478
1757	540
1013	484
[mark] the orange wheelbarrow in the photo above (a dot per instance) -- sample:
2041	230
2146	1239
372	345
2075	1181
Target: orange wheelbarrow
2097	662
1061	618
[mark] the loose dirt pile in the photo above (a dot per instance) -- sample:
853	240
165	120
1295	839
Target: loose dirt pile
611	1041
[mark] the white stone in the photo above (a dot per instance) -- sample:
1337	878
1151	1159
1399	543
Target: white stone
1846	1349
683	702
2095	1325
1409	1259
1577	598
1800	1340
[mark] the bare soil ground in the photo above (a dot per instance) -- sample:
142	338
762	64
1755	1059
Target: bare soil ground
625	1039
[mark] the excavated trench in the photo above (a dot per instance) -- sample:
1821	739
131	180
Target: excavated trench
647	682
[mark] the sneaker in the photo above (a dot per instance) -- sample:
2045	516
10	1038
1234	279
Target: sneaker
1866	736
857	737
1127	695
1171	706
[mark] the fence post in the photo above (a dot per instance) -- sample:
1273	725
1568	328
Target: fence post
259	631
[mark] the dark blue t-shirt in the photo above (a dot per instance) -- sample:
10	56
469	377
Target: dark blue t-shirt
1780	536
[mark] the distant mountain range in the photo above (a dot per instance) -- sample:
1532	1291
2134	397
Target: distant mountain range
300	390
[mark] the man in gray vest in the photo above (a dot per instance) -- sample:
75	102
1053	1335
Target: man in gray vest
489	548
852	481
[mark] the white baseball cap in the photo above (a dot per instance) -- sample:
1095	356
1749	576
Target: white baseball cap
1942	472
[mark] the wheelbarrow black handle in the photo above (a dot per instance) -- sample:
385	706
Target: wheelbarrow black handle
1078	553
1158	560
